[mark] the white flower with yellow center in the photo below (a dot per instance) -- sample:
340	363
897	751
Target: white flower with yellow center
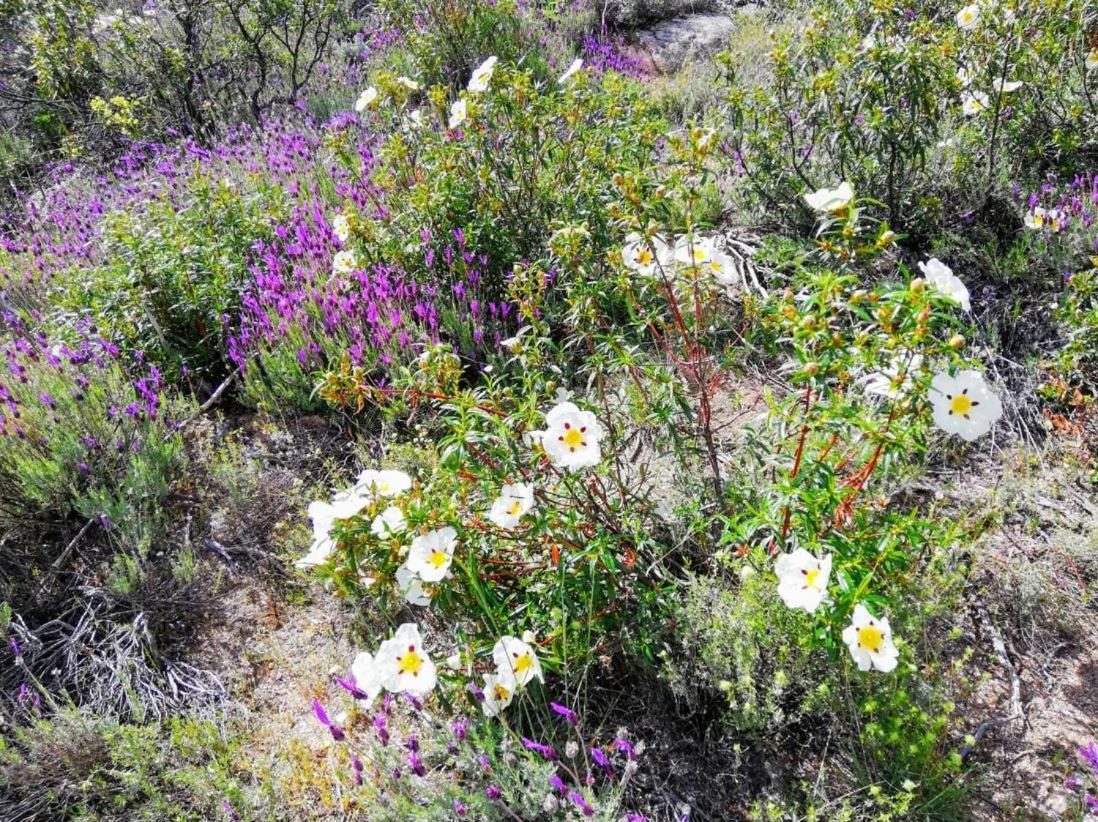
571	438
344	262
516	659
498	693
388	523
1056	221
344	504
431	554
458	112
964	76
341	227
802	579
975	102
366	99
1007	86
383	483
411	587
403	664
941	276
969	17
830	200
964	405
1092	60
1036	218
870	641
514	502
571	71
644	254
703	254
366	674
482	75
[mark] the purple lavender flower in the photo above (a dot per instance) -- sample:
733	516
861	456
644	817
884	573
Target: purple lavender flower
546	751
460	728
602	760
1089	754
557	783
459	809
581	803
493	793
570	716
416	764
348	684
382	731
356	768
322	715
230	811
15	649
625	747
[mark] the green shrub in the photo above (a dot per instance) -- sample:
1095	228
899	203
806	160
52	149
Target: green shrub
912	109
172	275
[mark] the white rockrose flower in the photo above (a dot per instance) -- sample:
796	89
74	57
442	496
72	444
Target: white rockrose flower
383	483
571	438
388	523
513	503
516	659
498	693
411	587
802	579
964	405
870	641
432	553
366	675
830	200
941	276
366	98
482	75
458	112
403	664
969	17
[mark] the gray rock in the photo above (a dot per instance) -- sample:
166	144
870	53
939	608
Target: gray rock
671	44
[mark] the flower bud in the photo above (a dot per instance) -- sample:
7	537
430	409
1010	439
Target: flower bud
956	342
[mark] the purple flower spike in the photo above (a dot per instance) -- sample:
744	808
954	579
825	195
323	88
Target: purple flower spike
15	649
348	684
557	783
626	748
460	727
581	803
493	793
230	811
602	760
476	691
1089	754
545	750
322	715
570	716
633	816
460	810
416	764
382	731
356	768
